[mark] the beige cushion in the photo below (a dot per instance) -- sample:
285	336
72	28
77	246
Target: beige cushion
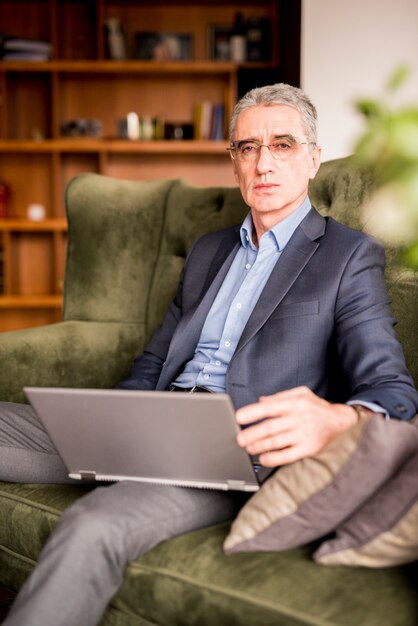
384	531
310	498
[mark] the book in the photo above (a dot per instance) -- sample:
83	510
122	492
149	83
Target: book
209	121
217	131
12	48
24	56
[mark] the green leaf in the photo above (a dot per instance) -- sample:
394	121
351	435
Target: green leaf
398	77
370	108
403	137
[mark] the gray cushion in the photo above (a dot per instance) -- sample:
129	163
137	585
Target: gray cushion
308	499
384	532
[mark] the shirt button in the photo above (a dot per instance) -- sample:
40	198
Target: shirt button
248	266
227	343
206	376
239	305
217	362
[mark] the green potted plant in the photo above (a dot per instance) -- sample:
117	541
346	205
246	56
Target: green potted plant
388	152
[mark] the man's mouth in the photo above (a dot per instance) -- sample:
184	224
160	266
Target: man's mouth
266	186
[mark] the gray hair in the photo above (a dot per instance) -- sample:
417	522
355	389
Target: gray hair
278	94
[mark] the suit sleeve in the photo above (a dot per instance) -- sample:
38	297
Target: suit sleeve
369	350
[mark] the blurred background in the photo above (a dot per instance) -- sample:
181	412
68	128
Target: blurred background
348	51
139	90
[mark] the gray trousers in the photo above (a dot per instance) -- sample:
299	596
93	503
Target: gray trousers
81	566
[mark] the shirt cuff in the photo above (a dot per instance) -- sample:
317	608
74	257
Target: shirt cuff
376	408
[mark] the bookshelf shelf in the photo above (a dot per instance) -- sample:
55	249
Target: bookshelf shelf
30	302
192	146
21	225
125	67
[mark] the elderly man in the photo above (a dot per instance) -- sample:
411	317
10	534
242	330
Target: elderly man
287	313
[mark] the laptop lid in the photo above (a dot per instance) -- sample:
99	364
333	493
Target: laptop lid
150	436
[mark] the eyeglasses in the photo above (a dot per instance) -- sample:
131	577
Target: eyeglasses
282	148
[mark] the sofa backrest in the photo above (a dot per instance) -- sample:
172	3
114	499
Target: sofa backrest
114	234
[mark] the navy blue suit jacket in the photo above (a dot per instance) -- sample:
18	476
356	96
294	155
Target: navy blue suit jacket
323	320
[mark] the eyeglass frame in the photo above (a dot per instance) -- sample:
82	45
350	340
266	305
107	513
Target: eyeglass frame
233	148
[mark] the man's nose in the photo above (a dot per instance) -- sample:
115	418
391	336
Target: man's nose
265	161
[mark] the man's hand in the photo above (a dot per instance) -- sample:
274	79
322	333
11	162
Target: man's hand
295	424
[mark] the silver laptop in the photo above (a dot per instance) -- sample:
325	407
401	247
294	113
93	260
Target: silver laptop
150	436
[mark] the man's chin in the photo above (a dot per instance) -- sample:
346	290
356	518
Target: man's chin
267	205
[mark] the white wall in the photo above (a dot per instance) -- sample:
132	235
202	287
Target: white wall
349	49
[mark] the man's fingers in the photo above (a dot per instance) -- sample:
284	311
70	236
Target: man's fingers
266	428
281	403
274	442
261	410
275	458
251	413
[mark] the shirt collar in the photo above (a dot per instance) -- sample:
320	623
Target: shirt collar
281	232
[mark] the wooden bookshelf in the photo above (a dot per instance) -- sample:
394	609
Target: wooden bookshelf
81	82
33	259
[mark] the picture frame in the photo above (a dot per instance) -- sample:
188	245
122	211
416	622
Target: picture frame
218	37
154	46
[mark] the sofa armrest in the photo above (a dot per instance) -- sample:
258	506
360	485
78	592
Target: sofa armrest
403	292
67	354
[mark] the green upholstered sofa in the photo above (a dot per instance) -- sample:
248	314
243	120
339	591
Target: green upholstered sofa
127	243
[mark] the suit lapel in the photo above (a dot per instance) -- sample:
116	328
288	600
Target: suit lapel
188	331
292	261
187	334
223	258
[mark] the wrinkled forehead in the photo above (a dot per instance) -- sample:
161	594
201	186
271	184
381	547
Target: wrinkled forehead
263	122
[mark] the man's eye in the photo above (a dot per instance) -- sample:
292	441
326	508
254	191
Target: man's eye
248	148
282	146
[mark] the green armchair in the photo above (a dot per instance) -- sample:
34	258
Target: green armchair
126	248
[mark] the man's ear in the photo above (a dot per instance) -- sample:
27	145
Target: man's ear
315	161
